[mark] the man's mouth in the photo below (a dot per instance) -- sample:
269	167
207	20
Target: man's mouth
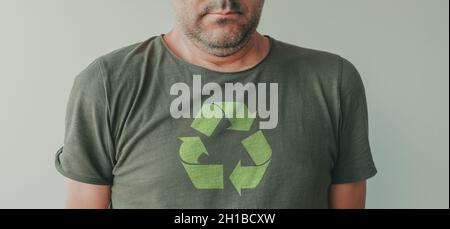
225	13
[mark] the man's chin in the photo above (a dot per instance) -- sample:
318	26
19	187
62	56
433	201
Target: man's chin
225	41
224	34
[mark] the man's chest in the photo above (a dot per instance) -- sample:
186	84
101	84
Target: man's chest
169	160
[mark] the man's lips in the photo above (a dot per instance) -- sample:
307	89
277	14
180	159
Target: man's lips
225	13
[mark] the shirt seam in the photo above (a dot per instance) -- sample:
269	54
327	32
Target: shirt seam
108	110
340	73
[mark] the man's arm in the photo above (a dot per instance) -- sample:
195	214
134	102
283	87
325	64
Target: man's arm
348	196
87	196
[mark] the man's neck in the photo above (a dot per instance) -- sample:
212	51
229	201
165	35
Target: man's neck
250	55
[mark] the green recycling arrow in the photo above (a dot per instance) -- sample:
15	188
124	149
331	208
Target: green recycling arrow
202	176
211	176
260	152
206	121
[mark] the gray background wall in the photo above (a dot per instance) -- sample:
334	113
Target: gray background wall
399	46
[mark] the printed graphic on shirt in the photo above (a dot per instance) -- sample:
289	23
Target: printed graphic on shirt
211	176
241	117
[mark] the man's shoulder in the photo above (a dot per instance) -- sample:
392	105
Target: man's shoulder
129	54
116	68
289	52
317	64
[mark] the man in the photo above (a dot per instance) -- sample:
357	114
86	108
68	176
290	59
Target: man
156	124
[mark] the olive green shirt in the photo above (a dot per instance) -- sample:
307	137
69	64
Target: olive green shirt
119	131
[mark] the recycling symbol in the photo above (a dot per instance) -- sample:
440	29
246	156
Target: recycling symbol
211	176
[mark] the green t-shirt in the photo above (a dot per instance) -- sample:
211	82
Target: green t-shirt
121	131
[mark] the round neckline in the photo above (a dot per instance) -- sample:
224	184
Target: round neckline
201	68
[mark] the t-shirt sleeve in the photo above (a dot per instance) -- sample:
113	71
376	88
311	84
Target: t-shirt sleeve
354	161
87	154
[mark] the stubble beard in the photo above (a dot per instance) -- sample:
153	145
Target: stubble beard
224	45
